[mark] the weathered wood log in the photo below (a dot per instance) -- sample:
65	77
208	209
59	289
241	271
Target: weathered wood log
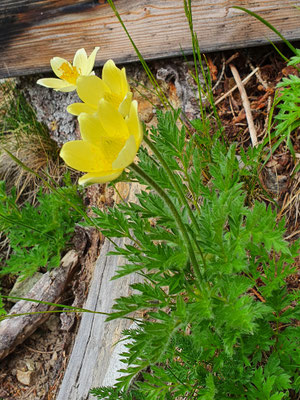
14	330
32	32
94	360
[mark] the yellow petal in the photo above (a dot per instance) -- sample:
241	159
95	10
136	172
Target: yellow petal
124	83
111	147
80	61
69	88
91	60
91	128
114	99
78	108
91	89
112	121
133	123
83	156
113	77
99	177
55	83
92	131
124	107
64	70
56	63
126	155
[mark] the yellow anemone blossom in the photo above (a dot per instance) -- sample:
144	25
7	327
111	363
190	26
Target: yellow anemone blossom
68	73
113	87
109	143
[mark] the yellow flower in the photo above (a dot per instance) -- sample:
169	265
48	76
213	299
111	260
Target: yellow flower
109	143
113	87
68	73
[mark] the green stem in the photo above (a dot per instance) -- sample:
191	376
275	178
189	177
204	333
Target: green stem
63	308
189	15
178	190
157	88
176	215
191	190
270	26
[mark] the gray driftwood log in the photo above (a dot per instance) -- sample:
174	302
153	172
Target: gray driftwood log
14	330
94	360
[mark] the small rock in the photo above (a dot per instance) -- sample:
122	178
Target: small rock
53	360
25	377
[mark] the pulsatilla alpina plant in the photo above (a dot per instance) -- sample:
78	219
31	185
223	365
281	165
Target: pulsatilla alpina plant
219	320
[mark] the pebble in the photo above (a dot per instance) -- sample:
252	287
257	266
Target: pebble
25	377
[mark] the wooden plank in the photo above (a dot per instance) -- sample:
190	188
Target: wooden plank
33	31
94	360
95	357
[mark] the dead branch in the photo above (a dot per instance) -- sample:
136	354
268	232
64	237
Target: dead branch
14	330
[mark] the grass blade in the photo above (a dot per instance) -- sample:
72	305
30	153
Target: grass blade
270	26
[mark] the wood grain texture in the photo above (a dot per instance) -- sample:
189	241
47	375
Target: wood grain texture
94	360
34	31
95	357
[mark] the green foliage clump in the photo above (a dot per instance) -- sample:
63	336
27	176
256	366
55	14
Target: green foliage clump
288	117
37	234
206	335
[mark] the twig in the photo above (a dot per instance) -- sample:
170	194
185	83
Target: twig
246	104
291	235
231	107
38	351
233	57
220	77
264	132
258	295
245	80
25	395
287	204
258	76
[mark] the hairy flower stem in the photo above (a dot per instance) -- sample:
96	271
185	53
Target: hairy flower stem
178	189
176	215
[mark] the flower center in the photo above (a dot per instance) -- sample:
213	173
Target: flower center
113	99
69	73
